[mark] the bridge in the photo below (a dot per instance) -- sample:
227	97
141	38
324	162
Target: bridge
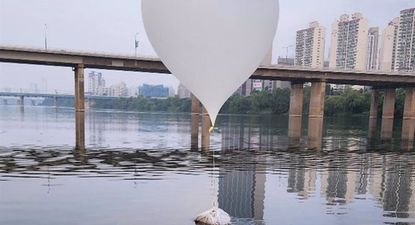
56	96
378	80
153	65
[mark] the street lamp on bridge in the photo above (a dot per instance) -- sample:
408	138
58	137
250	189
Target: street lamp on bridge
46	36
136	42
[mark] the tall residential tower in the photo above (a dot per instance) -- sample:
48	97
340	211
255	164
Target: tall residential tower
387	57
349	43
96	83
310	43
373	49
405	60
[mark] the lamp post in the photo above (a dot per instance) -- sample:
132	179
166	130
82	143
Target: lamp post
286	54
287	49
46	36
136	42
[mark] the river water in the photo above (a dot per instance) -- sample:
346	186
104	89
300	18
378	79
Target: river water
139	169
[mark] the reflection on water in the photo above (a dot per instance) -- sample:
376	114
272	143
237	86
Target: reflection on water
154	179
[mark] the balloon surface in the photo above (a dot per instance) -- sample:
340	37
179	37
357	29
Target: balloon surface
211	46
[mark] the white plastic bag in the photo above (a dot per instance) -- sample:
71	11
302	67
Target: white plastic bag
214	216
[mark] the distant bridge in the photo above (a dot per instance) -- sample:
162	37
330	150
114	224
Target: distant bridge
379	80
55	97
41	95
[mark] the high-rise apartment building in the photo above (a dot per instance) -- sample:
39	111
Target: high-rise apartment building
310	43
261	85
373	49
183	92
387	55
96	83
349	43
118	90
405	55
97	86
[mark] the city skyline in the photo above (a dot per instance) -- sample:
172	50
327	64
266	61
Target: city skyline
66	22
95	85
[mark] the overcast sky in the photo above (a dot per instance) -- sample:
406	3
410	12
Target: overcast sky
110	26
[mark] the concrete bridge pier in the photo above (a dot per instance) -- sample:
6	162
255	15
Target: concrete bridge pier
21	101
316	115
373	114
408	122
295	114
206	125
79	107
195	123
388	115
55	101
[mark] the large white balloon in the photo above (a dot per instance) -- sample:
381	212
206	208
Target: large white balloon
211	46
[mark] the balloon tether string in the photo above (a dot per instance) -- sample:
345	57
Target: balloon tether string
213	174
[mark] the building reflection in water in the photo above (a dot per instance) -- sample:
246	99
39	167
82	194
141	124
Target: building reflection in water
242	189
340	177
243	135
397	196
301	179
351	176
345	175
337	184
242	193
97	125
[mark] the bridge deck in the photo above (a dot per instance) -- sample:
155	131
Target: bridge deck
152	65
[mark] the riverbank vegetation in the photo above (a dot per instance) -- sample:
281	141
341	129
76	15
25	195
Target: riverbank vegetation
277	102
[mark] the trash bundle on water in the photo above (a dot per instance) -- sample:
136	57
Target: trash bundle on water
214	216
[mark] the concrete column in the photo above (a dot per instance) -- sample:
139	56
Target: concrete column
206	125
21	101
316	115
296	113
195	123
408	122
387	115
373	113
55	101
79	107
